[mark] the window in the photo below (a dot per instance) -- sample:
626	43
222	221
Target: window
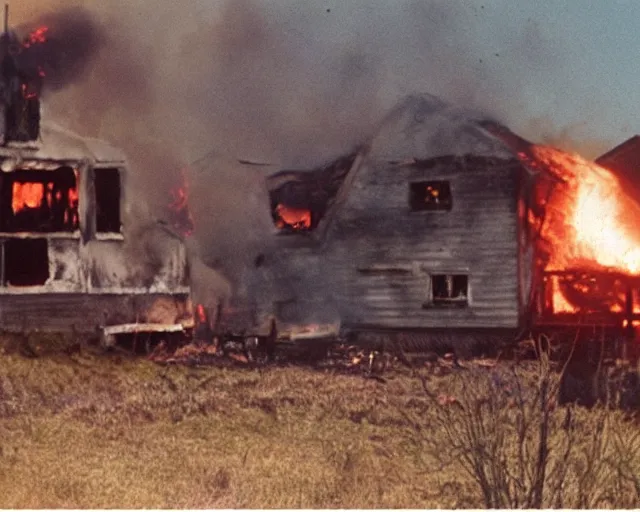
450	289
107	189
26	262
39	201
430	195
23	114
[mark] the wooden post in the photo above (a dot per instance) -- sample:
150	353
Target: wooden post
629	331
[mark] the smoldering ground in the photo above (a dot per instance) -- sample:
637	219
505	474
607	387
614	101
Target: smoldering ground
289	83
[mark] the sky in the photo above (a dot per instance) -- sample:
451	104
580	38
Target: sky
556	71
595	85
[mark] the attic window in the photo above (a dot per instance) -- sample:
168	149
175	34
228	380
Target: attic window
430	195
39	201
107	190
450	289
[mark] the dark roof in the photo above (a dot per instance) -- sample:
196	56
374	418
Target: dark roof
629	149
624	162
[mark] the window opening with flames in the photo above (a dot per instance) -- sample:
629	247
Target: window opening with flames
39	201
301	199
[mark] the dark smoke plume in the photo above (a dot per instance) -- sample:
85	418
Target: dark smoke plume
59	46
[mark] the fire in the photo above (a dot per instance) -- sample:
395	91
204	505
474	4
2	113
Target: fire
26	195
296	218
179	205
35	195
38	36
590	219
560	303
27	93
201	314
71	213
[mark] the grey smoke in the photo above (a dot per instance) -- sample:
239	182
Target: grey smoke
71	39
291	83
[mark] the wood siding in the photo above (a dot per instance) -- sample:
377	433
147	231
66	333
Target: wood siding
374	264
375	229
81	312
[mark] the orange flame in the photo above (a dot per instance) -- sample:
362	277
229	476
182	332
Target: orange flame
71	213
560	304
296	218
35	195
592	222
589	219
38	36
26	195
183	220
201	314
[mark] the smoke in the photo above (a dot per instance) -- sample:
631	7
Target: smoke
290	83
59	46
572	137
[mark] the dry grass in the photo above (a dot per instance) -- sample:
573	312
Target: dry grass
88	431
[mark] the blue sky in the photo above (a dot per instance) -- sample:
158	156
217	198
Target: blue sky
597	81
285	78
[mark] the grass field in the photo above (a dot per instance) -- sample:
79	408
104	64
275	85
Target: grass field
104	431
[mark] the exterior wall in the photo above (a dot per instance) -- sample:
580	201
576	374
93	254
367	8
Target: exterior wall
373	265
98	278
82	313
381	255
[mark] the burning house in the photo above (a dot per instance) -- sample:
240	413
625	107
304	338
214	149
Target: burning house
447	223
67	262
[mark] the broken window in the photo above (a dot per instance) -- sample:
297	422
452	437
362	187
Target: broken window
450	289
107	190
300	199
39	201
26	262
430	195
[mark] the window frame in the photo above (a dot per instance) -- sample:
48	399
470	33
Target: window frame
111	232
463	301
9	224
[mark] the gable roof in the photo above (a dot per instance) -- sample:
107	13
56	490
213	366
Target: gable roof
624	158
630	148
424	127
421	127
624	162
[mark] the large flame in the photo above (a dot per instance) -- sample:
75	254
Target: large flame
589	221
590	218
